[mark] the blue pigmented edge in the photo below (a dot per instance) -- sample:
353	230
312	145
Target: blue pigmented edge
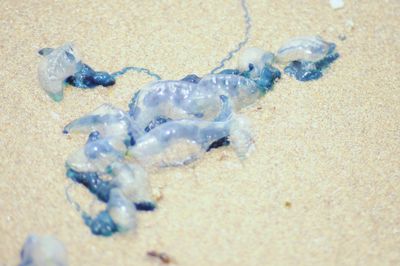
145	206
87	78
159	120
133	109
265	81
99	187
268	76
193	78
130	141
91	180
307	71
102	224
222	142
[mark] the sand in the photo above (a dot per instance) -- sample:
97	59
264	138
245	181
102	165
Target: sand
322	186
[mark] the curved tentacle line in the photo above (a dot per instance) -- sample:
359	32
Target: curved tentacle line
138	70
168	123
241	44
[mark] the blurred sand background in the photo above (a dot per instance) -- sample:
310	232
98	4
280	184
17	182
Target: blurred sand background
322	187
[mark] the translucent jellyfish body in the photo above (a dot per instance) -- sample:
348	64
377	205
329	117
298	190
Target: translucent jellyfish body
126	192
169	123
307	56
87	78
62	66
133	182
305	70
130	178
256	57
106	119
198	99
56	66
256	64
307	48
121	210
111	132
43	251
97	155
180	142
168	144
119	216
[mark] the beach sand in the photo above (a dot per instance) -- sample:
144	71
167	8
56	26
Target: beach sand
321	188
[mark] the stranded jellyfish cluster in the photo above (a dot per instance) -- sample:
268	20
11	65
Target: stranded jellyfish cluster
167	122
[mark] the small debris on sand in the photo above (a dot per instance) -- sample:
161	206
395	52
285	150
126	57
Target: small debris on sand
163	257
336	4
54	115
349	24
157	194
342	37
